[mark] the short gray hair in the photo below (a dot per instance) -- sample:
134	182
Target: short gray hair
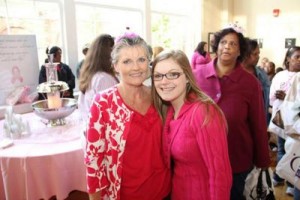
128	41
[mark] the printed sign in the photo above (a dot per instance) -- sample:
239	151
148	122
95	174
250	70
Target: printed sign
18	64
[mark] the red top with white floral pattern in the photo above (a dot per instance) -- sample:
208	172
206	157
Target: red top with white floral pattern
134	172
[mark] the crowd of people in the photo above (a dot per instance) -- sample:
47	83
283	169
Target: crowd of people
195	132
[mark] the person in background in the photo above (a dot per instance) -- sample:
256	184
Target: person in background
239	95
250	65
156	51
290	110
97	72
124	143
85	49
200	55
64	72
270	69
195	133
278	69
263	62
279	87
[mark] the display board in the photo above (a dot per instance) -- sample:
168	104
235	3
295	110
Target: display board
18	64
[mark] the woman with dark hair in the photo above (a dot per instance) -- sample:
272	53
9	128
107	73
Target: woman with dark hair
200	56
238	94
250	65
64	72
270	70
97	72
289	111
281	83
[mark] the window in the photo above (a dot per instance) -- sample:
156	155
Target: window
167	31
72	23
42	19
173	25
95	20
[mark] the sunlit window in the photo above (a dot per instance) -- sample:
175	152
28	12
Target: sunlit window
166	31
172	23
42	19
93	21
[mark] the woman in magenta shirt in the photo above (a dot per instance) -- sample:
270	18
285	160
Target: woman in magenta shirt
238	93
195	138
200	55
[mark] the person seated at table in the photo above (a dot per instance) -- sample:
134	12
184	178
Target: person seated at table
64	72
124	142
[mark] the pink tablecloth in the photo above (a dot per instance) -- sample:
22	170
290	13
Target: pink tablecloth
48	162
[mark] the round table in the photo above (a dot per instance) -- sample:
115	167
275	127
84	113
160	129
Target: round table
47	162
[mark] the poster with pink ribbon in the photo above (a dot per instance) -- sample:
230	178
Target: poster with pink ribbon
19	68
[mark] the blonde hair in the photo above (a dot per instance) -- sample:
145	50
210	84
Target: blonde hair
156	51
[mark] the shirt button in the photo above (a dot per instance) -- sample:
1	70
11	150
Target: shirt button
218	95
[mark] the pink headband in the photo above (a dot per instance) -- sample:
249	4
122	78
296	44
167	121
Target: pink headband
235	27
127	34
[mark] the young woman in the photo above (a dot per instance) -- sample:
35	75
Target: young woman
97	72
200	56
195	139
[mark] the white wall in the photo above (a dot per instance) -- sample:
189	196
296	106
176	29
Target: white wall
215	15
257	18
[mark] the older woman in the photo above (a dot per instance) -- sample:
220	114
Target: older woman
195	131
238	93
123	152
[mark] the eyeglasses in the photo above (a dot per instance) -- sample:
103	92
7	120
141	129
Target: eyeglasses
169	76
230	44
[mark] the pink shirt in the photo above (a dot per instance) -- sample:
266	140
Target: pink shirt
198	60
198	152
239	96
